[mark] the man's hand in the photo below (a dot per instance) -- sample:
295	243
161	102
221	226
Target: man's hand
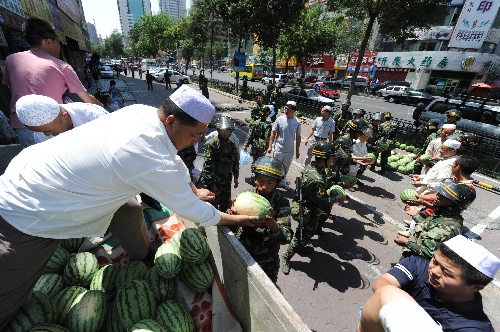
236	182
417	183
205	194
401	240
271	223
214	189
306	141
269	150
297	155
410	211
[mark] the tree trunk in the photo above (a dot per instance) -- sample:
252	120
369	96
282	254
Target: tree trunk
211	51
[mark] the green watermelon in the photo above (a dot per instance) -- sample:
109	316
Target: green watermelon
57	261
134	270
168	261
49	284
336	190
88	312
135	301
408	195
65	300
105	279
37	309
398	144
424	159
164	289
198	277
348	178
72	245
81	269
147	325
402	146
113	323
372	158
392	166
251	204
192	245
410	148
175	316
48	328
402	169
383	144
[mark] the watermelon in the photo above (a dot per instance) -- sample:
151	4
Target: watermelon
348	178
372	158
57	261
424	159
81	269
175	316
408	195
135	301
105	279
402	146
252	204
410	148
88	312
134	270
336	190
37	309
198	277
163	289
147	325
383	144
65	300
48	328
191	245
113	323
50	284
168	261
398	144
402	169
72	245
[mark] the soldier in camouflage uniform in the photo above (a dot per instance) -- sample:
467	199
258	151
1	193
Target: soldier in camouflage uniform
258	135
430	131
221	164
445	222
315	201
255	112
382	140
341	117
263	242
188	156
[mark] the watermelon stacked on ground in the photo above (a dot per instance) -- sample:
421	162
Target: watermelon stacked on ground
191	245
49	284
163	288
134	302
49	328
72	245
37	309
168	261
88	312
105	280
66	300
134	270
147	325
175	316
81	269
57	262
198	277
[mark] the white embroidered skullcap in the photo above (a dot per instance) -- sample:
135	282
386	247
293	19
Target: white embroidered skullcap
328	108
36	110
453	144
193	103
475	254
449	126
291	103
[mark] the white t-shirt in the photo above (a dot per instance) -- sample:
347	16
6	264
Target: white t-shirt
71	185
285	130
79	113
323	128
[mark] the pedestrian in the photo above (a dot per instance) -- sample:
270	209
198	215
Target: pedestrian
258	135
221	164
134	151
204	88
39	71
117	100
285	131
167	79
132	71
263	242
140	72
322	129
125	69
149	80
446	288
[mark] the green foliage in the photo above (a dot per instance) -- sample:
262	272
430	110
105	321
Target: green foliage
113	45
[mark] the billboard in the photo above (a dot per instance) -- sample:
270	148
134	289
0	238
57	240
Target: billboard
474	22
239	61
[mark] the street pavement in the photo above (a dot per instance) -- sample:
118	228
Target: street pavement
327	288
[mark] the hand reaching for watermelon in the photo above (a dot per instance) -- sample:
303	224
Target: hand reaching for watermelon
401	240
410	210
205	194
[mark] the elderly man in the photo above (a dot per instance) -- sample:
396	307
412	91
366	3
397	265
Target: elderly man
322	129
71	185
446	287
434	147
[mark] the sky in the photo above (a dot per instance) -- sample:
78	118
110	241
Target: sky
105	14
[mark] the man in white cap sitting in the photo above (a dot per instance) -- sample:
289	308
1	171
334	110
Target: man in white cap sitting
441	170
434	147
322	129
446	287
71	185
47	118
285	131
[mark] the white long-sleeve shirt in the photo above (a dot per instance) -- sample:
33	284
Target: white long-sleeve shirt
437	173
71	185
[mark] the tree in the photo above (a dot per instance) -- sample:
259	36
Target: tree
151	34
397	19
113	45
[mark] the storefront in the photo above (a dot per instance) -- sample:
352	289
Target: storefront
318	65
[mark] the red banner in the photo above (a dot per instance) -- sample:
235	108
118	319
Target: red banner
368	59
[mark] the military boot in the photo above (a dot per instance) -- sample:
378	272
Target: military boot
285	264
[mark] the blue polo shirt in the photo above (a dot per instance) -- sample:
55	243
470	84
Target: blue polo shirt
412	274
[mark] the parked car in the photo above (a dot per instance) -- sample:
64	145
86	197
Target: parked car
174	76
411	98
392	90
299	94
361	81
325	90
330	81
310	79
282	79
107	72
382	85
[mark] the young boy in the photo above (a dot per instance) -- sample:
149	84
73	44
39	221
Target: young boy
263	242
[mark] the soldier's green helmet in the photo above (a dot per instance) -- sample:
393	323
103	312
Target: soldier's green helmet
225	122
269	166
323	150
459	193
432	125
387	115
377	117
344	144
265	111
360	125
469	140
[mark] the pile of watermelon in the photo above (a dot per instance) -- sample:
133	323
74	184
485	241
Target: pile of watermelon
401	163
74	294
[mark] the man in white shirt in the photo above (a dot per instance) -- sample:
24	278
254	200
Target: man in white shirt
70	186
322	129
434	147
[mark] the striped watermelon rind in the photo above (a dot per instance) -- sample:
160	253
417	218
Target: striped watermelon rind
336	190
135	301
163	289
80	269
49	284
65	301
88	313
198	277
147	325
48	328
37	309
408	195
57	261
174	314
192	245
105	280
168	261
113	323
134	270
72	245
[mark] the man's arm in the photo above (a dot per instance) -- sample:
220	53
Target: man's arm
271	140
297	145
309	136
88	98
384	280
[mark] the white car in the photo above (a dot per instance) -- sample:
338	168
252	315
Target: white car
282	79
107	72
174	76
390	90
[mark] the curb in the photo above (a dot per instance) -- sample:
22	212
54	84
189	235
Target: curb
239	99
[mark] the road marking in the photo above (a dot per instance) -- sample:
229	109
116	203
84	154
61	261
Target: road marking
495	213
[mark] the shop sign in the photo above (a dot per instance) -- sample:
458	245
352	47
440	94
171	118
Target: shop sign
368	59
439	33
474	22
392	70
14	6
468	62
70	8
37	8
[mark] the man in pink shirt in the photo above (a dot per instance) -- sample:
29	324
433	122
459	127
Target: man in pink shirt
38	71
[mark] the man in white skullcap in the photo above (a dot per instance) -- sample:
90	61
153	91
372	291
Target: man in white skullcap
47	118
434	147
446	288
71	185
285	131
322	129
441	170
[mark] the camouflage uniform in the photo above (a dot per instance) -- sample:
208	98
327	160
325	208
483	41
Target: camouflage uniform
341	118
220	166
255	112
262	243
188	155
384	131
332	177
430	231
258	137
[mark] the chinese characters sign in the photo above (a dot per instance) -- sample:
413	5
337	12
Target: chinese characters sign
475	20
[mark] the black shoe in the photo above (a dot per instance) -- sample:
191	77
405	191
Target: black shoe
381	172
359	183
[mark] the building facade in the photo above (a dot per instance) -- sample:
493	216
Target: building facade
173	8
90	27
130	11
